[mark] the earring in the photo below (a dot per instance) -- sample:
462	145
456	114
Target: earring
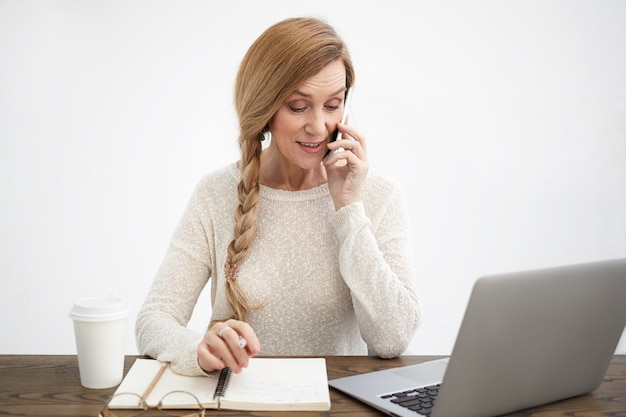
265	135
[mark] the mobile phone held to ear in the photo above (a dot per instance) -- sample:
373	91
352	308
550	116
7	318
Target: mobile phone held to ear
337	134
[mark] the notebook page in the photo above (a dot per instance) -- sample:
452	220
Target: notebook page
202	387
137	381
144	377
279	383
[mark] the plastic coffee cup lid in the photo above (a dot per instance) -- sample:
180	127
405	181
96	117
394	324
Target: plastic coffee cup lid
100	308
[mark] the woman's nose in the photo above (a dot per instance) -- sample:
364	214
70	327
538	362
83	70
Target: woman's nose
319	124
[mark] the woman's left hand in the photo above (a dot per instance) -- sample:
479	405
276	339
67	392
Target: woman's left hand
346	170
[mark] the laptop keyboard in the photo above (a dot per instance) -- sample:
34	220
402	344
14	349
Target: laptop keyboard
421	400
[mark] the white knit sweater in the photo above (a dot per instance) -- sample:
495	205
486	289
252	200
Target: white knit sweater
331	282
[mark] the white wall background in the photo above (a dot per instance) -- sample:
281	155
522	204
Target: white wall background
505	122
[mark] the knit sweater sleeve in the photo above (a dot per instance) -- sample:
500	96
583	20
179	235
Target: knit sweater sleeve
375	263
160	329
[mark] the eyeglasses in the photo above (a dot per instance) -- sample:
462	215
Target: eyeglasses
128	404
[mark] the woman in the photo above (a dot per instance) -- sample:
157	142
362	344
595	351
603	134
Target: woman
316	258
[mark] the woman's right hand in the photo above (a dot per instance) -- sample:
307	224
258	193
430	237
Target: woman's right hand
221	346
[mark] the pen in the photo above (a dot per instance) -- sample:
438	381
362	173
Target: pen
242	342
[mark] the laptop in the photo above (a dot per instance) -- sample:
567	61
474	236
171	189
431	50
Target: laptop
526	339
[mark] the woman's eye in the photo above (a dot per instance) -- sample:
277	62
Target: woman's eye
332	108
297	109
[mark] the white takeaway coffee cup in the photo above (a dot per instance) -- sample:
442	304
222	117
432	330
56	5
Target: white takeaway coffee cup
100	331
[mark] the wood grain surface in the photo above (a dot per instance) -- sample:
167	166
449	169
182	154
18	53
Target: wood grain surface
49	385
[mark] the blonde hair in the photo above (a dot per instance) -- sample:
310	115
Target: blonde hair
276	64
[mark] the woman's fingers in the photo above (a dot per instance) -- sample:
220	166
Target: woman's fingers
347	170
227	344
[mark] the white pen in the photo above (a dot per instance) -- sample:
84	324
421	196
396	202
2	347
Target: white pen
242	342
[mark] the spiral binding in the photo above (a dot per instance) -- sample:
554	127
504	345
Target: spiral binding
222	383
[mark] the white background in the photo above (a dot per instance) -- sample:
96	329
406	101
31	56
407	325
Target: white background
504	121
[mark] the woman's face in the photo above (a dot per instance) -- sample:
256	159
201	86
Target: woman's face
302	126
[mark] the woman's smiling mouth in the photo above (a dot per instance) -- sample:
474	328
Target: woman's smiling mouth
311	147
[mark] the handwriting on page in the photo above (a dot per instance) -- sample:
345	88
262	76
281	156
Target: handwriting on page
280	381
275	391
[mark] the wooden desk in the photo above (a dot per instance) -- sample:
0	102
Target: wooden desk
49	385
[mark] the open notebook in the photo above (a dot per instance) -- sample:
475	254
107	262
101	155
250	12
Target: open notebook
267	384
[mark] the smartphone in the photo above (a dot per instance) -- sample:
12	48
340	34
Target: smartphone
336	135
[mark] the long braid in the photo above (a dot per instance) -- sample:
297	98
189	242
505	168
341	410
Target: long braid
245	216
